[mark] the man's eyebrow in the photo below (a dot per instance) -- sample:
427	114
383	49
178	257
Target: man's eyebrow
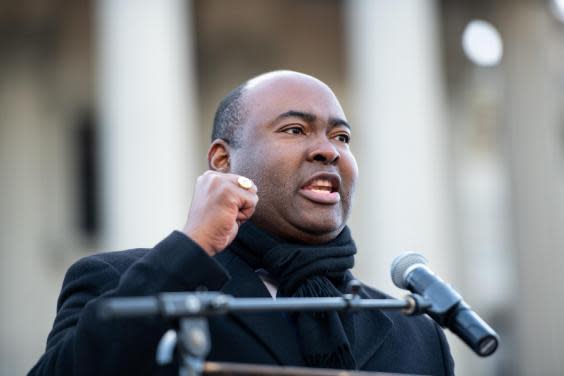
335	122
310	118
306	116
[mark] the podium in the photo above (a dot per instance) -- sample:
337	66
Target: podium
240	369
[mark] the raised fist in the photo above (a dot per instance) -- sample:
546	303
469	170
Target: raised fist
221	203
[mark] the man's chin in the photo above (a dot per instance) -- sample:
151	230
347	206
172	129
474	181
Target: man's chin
322	227
302	225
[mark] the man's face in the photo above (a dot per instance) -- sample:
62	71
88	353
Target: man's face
294	146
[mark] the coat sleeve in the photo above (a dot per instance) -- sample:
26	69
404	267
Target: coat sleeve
81	344
448	361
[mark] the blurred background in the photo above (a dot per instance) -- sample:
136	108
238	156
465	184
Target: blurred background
458	128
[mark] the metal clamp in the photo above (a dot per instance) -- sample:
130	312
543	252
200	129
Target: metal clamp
193	342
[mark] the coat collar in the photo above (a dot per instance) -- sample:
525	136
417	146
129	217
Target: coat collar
277	333
272	329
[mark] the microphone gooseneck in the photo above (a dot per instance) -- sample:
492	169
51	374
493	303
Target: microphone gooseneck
409	271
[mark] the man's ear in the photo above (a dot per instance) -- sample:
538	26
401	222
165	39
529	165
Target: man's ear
218	156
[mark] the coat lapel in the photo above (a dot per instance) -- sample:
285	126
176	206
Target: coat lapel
272	329
276	333
370	328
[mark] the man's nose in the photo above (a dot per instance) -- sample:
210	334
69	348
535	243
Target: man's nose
324	151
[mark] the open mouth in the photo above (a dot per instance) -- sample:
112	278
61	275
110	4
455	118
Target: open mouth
320	186
322	189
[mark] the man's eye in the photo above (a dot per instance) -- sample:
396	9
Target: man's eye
345	138
294	130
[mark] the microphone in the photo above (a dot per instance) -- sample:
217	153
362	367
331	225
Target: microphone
410	272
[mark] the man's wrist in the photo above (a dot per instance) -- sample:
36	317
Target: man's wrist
199	240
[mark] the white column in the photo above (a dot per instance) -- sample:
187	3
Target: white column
147	117
533	140
398	132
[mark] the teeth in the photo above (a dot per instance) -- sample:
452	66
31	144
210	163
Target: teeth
321	183
320	190
320	186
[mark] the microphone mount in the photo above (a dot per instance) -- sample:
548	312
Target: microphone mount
191	309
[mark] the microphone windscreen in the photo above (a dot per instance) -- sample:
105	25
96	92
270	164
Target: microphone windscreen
400	265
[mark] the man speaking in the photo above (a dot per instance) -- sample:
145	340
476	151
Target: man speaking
267	219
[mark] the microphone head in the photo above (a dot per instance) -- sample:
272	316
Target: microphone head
400	265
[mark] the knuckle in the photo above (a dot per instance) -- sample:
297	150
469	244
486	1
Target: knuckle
215	180
206	177
232	199
227	188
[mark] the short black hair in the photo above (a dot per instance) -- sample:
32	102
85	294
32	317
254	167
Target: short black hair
229	116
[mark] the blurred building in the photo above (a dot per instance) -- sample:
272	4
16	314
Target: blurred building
105	116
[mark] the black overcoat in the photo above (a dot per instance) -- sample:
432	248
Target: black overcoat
81	344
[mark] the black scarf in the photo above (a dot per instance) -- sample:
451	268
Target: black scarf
307	271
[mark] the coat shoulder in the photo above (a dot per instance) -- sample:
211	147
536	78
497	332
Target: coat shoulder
119	260
417	335
402	321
